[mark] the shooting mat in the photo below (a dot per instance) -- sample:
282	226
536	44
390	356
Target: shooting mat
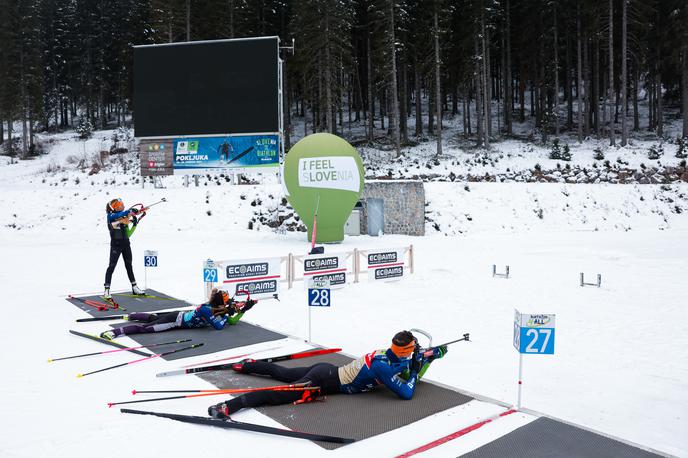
357	416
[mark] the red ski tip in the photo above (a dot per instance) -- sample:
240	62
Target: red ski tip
133	391
109	405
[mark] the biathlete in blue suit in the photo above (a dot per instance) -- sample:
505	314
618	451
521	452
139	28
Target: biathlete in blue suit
398	368
218	312
118	220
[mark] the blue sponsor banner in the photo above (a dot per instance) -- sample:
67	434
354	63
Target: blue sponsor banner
226	152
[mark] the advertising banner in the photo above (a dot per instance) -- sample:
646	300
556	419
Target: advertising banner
156	157
330	268
386	265
259	277
235	152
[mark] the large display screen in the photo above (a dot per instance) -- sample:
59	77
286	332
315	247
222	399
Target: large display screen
206	88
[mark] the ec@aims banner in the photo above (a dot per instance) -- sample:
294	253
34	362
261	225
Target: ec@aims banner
330	268
386	265
259	277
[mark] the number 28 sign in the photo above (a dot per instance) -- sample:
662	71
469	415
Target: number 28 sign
534	333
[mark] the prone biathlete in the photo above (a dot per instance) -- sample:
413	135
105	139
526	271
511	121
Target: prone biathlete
217	313
398	368
118	224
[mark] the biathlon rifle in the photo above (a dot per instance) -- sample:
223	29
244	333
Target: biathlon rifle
427	352
138	211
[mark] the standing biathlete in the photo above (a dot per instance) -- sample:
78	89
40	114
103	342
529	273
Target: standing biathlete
118	220
218	312
398	368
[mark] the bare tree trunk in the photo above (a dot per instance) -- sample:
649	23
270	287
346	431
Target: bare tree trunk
467	108
463	116
660	104
556	73
636	118
568	91
393	96
685	73
403	103
487	86
478	94
188	20
418	95
327	70
586	85
624	76
508	96
610	89
485	82
438	89
579	76
231	18
371	104
522	97
596	85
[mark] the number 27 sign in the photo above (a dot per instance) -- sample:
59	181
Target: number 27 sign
534	333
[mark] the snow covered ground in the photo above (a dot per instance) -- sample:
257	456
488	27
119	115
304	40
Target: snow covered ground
621	362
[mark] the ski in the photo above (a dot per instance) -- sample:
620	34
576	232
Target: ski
95	304
119	349
142	359
231	424
200	393
108	342
230	357
100	318
226	390
274	359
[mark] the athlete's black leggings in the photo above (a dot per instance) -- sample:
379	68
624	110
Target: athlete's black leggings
154	322
115	251
324	375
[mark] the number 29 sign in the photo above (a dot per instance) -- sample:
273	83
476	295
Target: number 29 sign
534	333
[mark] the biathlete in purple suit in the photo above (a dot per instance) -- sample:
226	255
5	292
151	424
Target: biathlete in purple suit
218	312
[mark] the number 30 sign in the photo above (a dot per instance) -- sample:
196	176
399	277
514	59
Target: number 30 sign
534	334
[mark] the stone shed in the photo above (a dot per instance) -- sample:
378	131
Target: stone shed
400	203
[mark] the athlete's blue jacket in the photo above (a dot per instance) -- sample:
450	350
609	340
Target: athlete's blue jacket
379	367
201	317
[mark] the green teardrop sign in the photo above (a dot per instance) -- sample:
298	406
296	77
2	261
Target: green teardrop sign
323	173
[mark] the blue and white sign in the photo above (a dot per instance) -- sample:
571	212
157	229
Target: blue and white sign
226	152
534	333
150	258
319	293
210	275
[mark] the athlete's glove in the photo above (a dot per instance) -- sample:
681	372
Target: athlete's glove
248	305
134	210
417	361
134	220
437	353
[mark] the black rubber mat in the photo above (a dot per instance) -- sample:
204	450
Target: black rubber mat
153	301
238	335
549	438
356	416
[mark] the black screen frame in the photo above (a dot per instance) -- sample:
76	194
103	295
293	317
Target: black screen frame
218	87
